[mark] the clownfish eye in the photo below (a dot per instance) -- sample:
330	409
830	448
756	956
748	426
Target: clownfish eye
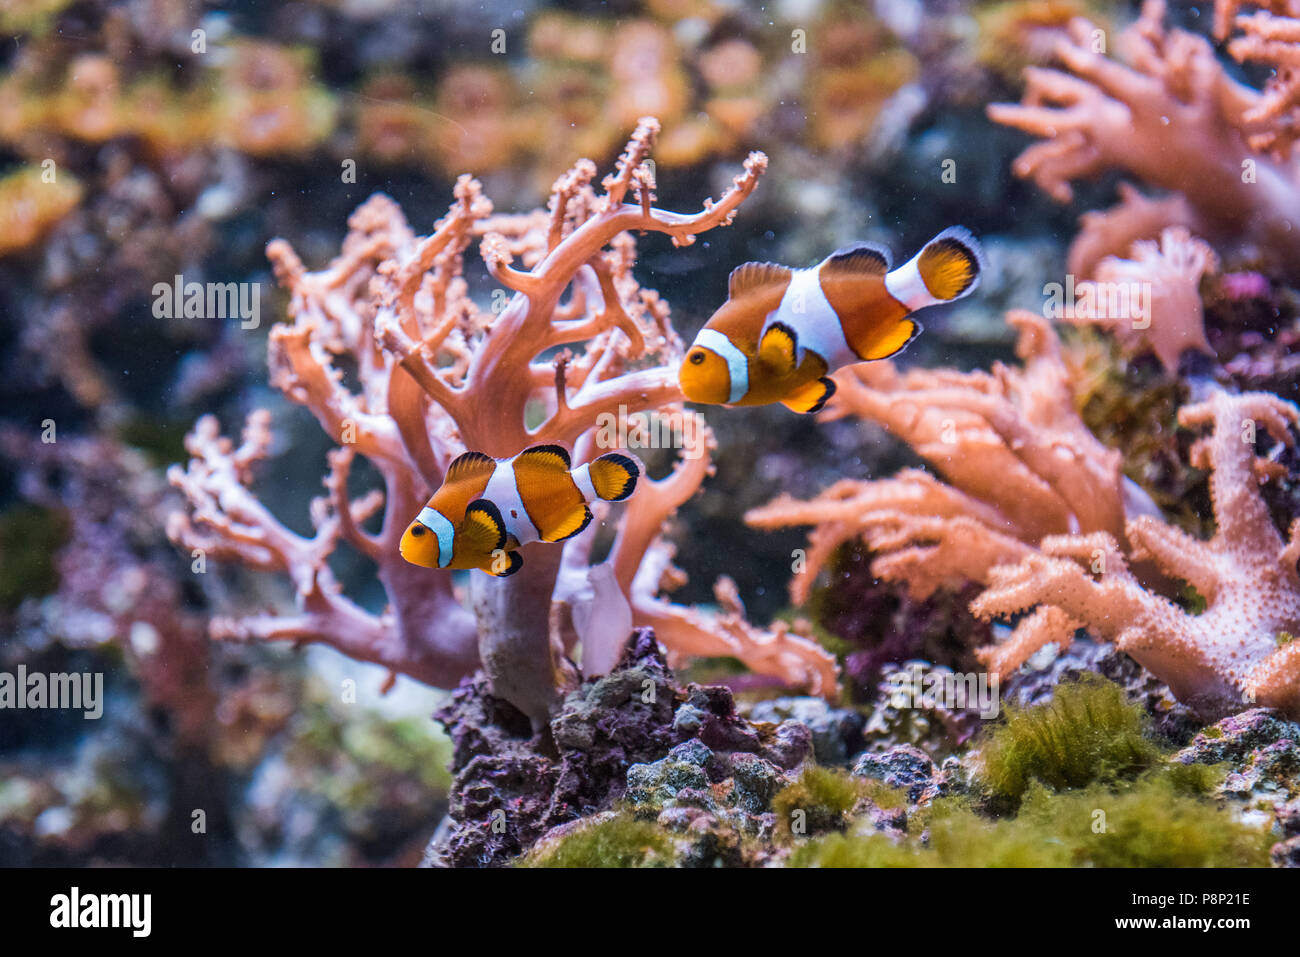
417	530
696	358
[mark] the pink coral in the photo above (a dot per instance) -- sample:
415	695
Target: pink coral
1240	647
437	375
1158	292
1172	116
1019	464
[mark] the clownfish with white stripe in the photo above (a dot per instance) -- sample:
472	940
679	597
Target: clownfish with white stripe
487	508
782	331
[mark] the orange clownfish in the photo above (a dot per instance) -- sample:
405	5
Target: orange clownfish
487	508
782	331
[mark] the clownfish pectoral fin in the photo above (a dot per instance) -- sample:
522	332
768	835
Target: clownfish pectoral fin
748	277
860	259
483	530
811	397
508	563
614	476
950	264
571	525
779	348
894	340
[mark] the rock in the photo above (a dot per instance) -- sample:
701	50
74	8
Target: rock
1262	751
1286	853
836	732
902	766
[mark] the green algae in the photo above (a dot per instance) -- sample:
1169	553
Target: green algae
617	841
1088	732
1151	823
826	796
29	538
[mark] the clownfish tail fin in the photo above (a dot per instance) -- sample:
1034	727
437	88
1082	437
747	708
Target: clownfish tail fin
614	476
950	264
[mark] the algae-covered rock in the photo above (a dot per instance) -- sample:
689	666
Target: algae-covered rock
904	767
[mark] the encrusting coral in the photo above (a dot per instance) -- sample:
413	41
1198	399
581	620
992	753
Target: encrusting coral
437	375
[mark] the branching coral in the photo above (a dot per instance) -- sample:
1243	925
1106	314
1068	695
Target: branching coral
1151	302
1019	463
438	375
1172	117
1239	648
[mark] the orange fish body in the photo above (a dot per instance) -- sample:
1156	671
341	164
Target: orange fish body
487	508
782	331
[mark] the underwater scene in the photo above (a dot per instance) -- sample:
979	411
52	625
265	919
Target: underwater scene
649	434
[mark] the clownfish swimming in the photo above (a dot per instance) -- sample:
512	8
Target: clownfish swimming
782	331
487	508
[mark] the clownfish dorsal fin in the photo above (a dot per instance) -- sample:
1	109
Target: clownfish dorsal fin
779	348
546	457
513	562
858	260
811	397
749	277
483	530
469	465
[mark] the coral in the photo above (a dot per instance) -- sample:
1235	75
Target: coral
437	375
1151	302
1273	41
1171	99
1038	511
1246	574
260	100
878	624
1019	463
1018	33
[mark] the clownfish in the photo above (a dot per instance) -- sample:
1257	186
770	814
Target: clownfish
486	508
782	331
